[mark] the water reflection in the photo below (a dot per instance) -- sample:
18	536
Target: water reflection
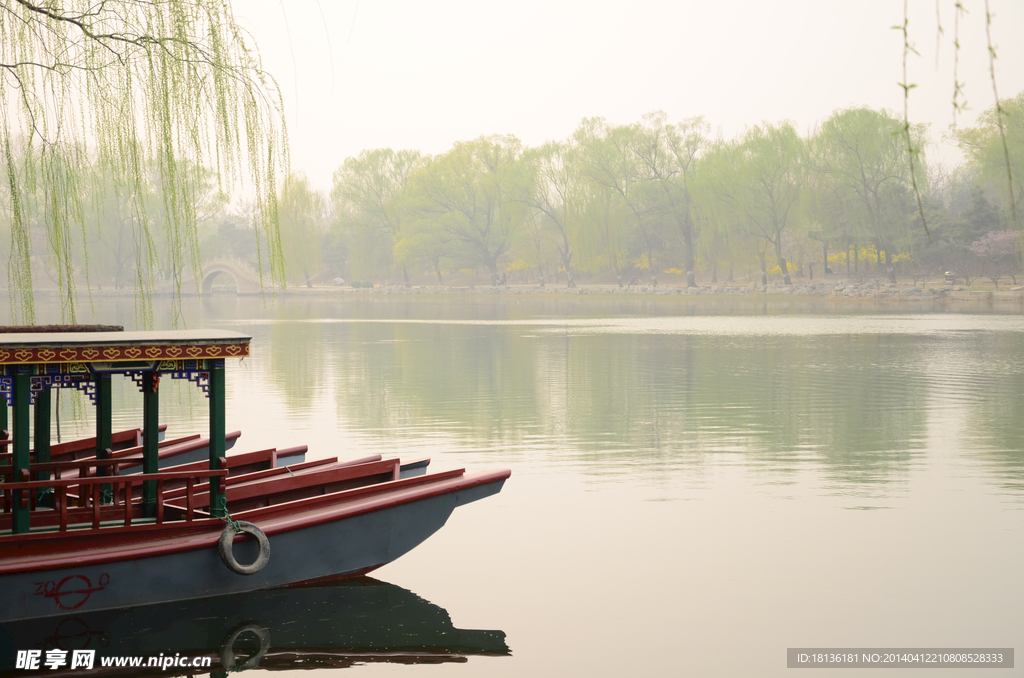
649	389
331	626
987	386
849	404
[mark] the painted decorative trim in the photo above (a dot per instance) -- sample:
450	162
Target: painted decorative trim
88	387
200	379
28	356
80	377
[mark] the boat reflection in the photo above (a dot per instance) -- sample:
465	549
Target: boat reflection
324	626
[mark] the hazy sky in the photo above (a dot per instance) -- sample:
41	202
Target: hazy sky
360	74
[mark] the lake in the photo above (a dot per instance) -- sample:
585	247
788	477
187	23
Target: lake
694	488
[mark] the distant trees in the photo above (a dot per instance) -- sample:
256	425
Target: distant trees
130	194
769	185
859	152
550	189
999	252
471	195
301	215
655	196
369	190
752	190
679	149
960	213
983	146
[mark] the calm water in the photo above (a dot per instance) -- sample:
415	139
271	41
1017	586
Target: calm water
694	488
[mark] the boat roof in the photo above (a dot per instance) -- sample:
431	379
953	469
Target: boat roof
161	337
63	347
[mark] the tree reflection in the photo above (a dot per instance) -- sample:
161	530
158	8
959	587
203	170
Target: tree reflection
853	405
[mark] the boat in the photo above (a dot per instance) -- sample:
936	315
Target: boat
89	534
84	447
128	445
335	625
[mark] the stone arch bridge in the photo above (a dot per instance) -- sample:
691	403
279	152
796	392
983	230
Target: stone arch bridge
245	277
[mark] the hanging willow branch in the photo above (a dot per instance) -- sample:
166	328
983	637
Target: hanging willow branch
959	100
133	89
999	107
912	151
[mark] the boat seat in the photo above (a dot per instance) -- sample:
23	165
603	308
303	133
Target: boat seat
278	489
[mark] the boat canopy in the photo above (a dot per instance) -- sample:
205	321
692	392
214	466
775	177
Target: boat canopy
34	361
106	347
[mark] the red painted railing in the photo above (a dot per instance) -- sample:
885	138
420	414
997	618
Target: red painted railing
83	466
92	505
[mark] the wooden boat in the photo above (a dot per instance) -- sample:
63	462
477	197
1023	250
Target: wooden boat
128	445
88	534
357	620
75	449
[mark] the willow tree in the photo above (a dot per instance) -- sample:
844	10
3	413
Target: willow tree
995	146
122	85
471	194
302	226
370	188
770	185
717	204
609	157
755	185
667	156
603	229
861	152
551	188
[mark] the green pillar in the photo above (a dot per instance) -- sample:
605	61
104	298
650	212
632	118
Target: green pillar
22	384
150	437
217	432
42	432
42	439
4	426
104	428
104	416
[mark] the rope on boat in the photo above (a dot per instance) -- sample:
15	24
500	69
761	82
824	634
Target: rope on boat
227	514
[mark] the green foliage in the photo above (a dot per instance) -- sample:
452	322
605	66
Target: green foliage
370	191
301	214
661	196
668	156
983	145
551	190
469	197
757	185
230	236
863	182
140	96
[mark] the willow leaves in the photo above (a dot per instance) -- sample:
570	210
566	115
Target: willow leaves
141	94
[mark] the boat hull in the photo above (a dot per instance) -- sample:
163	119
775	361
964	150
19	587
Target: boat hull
348	546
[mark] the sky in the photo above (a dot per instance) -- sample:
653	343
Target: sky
363	74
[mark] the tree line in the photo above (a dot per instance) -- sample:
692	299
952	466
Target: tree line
655	196
608	204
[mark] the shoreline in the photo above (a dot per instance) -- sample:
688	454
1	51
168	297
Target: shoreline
843	291
824	290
